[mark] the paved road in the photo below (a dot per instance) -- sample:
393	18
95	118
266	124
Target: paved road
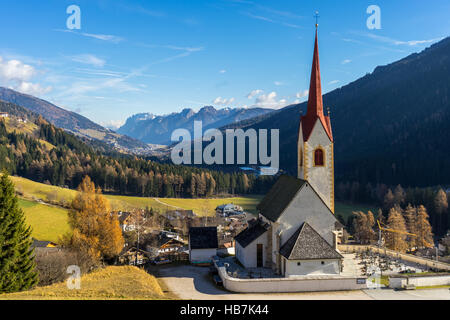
189	282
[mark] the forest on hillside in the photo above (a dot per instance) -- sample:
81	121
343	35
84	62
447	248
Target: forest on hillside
68	160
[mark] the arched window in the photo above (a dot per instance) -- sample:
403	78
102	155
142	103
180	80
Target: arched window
319	158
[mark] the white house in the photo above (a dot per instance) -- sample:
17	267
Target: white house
203	244
297	232
4	115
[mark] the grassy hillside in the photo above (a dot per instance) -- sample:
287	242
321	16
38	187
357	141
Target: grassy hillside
208	206
346	210
48	222
111	283
51	222
37	191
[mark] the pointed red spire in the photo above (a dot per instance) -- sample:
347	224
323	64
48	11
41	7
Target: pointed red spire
315	102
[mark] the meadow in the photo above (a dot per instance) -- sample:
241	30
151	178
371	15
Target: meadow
110	283
50	222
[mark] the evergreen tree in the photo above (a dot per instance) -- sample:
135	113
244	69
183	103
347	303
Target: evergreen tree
410	215
394	240
17	266
440	207
424	233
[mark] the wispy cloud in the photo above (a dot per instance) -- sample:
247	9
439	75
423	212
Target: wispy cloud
400	42
346	61
89	59
254	93
223	101
270	20
103	37
333	82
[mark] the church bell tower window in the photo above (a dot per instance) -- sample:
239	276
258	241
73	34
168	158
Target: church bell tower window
319	156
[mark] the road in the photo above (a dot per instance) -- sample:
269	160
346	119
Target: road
190	282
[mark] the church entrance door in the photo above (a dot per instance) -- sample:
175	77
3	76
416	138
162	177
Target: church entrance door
259	256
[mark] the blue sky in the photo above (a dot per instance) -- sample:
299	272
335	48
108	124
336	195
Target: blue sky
162	56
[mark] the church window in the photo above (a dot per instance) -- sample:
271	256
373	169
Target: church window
319	156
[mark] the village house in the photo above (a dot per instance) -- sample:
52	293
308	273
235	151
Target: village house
227	210
296	232
43	244
4	115
203	244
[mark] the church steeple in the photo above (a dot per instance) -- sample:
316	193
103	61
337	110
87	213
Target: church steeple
315	141
315	102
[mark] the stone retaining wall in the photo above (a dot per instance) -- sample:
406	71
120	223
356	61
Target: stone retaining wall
293	284
399	282
403	256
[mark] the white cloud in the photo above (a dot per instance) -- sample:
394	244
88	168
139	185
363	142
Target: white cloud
112	124
223	102
346	61
222	71
17	75
270	101
89	59
34	89
254	93
278	83
16	70
302	94
334	82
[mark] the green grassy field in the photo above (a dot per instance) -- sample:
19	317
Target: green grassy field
346	210
48	222
38	191
205	207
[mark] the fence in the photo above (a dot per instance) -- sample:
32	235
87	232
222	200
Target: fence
402	256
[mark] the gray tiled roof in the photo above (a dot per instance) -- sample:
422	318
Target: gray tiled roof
250	234
307	244
279	197
203	238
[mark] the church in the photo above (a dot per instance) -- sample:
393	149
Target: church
297	233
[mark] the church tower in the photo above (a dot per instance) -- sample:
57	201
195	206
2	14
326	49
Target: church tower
315	140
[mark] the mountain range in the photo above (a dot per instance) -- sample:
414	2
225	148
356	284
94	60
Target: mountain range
72	122
154	129
390	126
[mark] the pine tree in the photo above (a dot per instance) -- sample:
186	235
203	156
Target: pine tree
394	240
440	207
410	215
423	231
17	266
389	199
363	225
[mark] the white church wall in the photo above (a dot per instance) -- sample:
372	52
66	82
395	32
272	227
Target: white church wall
248	256
307	206
321	178
311	267
201	255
